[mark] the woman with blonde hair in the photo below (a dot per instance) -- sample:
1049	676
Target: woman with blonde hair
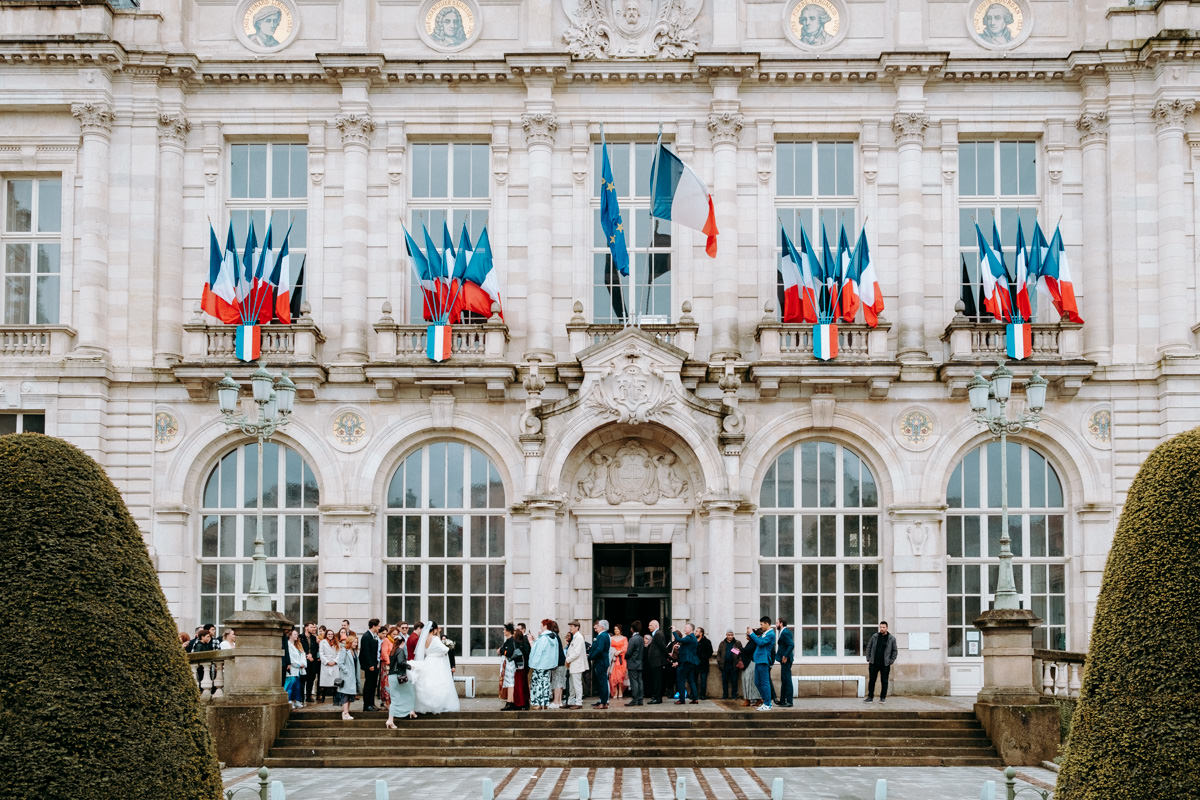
328	650
347	679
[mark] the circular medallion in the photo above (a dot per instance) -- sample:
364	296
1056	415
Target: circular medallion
915	428
166	430
449	25
1097	427
266	26
349	429
999	24
815	24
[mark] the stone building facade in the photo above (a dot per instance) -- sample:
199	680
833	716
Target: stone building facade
699	465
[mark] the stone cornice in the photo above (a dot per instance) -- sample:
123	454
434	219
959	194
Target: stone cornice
909	128
1093	127
539	127
356	129
95	118
173	129
725	127
1172	114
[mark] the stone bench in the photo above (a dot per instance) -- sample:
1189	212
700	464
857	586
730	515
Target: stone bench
862	682
468	682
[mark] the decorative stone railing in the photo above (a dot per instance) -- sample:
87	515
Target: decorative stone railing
298	342
210	672
486	341
1058	673
794	341
986	341
582	334
35	341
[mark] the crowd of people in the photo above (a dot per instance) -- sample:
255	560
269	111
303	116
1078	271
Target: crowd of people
410	669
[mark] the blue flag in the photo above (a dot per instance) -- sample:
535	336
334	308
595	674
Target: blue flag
610	215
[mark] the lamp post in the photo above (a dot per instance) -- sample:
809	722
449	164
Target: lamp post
274	398
989	406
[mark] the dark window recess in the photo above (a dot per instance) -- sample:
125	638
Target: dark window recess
22	422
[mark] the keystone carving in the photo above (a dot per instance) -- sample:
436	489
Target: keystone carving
633	470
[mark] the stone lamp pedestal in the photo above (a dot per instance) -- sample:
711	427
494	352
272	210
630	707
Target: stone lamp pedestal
254	708
1024	730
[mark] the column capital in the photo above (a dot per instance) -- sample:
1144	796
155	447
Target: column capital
1093	127
173	129
909	128
725	126
539	127
1172	114
356	129
94	118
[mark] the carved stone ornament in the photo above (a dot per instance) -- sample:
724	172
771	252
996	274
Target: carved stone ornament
601	29
1172	113
173	129
1092	127
633	392
725	126
910	128
999	24
356	129
631	471
94	118
449	25
539	127
815	25
266	26
917	536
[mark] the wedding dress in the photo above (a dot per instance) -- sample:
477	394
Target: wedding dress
432	679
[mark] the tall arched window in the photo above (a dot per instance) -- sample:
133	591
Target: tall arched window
289	496
818	547
1036	524
445	544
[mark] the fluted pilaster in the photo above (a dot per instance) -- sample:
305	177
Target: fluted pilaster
540	128
95	123
909	132
725	128
356	130
1093	138
1170	117
173	131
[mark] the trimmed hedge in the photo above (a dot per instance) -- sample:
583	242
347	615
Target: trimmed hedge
1136	730
96	698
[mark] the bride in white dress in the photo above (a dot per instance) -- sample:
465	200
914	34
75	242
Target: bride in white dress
431	676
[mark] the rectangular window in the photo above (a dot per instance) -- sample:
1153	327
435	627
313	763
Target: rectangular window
815	187
31	239
451	186
997	181
268	184
23	422
645	293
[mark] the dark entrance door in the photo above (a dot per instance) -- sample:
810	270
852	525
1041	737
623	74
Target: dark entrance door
632	582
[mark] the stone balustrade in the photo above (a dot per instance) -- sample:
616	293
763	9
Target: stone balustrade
1057	353
582	334
785	355
1058	673
792	341
35	341
470	343
209	671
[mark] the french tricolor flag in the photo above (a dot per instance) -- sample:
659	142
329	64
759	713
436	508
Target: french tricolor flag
825	335
437	338
678	195
247	345
1018	338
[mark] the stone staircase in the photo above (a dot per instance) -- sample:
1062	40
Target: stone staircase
317	738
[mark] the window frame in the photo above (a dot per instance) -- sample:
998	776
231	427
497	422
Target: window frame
35	240
19	420
631	204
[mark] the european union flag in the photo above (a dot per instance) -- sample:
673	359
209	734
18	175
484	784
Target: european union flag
610	216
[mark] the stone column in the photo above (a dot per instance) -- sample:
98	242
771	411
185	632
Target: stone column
172	138
540	128
543	558
1170	116
95	120
719	614
909	129
725	127
1093	139
356	137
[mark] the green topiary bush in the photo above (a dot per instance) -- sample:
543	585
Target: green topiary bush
1135	732
96	698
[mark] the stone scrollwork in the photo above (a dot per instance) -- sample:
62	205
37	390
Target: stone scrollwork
94	118
356	129
1092	126
173	129
632	471
1172	113
602	29
725	126
633	392
909	128
539	127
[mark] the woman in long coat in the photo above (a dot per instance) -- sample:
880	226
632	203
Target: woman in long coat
329	666
403	697
750	694
347	664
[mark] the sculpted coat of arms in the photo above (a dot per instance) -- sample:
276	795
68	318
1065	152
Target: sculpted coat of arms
602	29
633	392
633	471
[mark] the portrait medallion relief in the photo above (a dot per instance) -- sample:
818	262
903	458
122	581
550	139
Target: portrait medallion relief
449	25
815	24
999	24
266	26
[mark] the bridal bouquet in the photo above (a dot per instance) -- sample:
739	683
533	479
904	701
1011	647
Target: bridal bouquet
449	643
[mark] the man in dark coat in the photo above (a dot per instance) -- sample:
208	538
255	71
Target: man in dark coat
656	662
685	675
704	652
728	652
598	655
633	662
785	651
368	659
881	654
310	644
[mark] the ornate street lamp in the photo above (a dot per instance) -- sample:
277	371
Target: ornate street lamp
274	398
989	405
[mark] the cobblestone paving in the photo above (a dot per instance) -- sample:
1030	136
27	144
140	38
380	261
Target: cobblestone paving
818	783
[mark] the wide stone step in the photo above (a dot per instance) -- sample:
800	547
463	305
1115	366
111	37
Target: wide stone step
618	722
403	738
506	762
635	750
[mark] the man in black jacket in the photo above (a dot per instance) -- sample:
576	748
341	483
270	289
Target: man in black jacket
704	652
310	644
881	654
368	659
634	661
655	662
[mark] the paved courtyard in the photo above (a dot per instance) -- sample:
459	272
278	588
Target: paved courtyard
818	783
